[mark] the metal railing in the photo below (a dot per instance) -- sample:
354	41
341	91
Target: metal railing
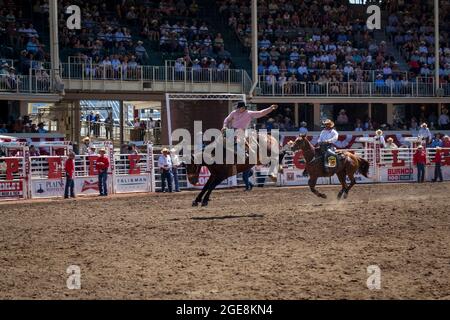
350	89
82	71
102	130
364	75
26	84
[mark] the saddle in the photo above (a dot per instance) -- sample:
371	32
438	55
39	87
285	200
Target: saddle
329	157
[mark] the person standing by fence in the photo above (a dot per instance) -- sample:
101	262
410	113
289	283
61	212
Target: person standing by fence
102	165
420	160
437	165
69	168
246	177
109	126
175	165
165	165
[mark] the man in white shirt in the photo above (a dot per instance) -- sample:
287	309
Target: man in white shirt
327	137
175	164
425	133
165	165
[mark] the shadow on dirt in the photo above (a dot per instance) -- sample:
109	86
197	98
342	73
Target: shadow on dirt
229	217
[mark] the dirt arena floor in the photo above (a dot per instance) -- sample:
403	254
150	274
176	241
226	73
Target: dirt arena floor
272	243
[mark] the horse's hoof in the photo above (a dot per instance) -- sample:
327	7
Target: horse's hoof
345	195
324	196
194	203
204	204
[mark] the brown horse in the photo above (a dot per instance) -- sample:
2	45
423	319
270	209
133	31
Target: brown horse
348	165
220	172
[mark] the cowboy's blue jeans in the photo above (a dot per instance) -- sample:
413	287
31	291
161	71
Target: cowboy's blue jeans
166	175
70	186
420	172
246	177
102	185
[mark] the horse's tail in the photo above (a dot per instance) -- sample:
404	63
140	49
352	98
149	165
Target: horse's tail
364	166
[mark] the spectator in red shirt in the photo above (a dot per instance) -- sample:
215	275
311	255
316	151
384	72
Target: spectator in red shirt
437	165
102	166
69	168
420	160
446	142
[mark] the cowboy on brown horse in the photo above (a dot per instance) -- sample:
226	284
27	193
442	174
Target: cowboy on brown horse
238	120
325	162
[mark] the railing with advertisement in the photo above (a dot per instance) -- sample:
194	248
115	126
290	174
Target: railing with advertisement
134	172
13	171
46	178
23	176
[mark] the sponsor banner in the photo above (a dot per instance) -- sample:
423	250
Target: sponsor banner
11	189
89	185
132	183
398	174
47	188
51	188
204	176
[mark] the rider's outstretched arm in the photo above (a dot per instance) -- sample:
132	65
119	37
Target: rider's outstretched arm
262	113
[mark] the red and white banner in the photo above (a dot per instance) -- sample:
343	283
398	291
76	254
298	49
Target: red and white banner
52	188
11	189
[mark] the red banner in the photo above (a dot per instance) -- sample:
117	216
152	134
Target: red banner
11	189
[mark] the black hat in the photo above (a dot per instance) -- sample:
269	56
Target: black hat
241	104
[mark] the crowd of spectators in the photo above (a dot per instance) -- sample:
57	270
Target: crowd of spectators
312	41
117	38
22	125
105	43
283	120
19	38
411	29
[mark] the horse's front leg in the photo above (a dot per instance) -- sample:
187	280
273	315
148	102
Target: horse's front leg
312	185
200	195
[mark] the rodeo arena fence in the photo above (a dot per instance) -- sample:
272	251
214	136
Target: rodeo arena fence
23	176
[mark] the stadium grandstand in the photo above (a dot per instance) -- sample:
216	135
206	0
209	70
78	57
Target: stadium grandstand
317	59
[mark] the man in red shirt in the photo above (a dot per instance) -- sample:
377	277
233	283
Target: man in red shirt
102	165
69	168
420	160
437	165
446	142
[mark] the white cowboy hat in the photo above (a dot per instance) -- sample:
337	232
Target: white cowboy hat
328	122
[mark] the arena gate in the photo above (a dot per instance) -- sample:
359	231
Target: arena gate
13	171
127	173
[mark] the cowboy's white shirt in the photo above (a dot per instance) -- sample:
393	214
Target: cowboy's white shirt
425	133
330	136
